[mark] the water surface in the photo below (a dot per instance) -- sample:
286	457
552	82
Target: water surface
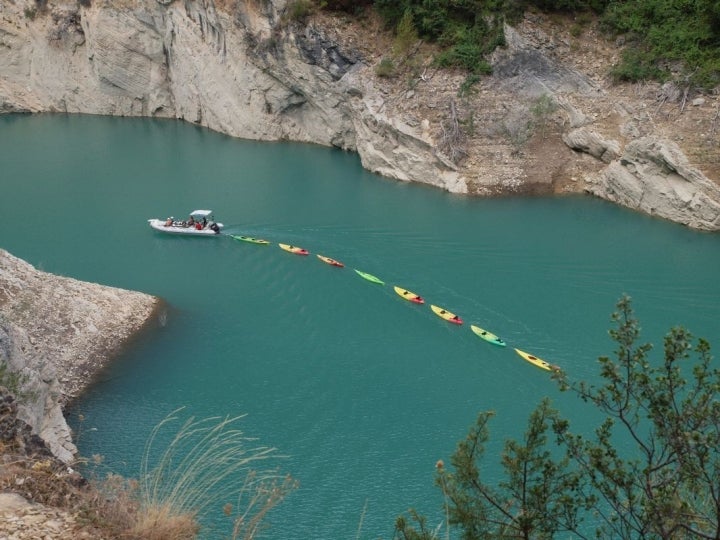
362	391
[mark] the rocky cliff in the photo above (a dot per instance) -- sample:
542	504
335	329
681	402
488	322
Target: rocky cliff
57	333
547	121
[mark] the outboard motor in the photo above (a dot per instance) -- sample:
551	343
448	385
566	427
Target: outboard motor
214	227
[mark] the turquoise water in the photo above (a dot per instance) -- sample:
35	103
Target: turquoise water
362	391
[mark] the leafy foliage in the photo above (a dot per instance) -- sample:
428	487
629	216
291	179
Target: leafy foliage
298	10
466	29
678	39
668	38
669	485
662	482
406	35
10	379
386	68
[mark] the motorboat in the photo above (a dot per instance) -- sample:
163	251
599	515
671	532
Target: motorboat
200	223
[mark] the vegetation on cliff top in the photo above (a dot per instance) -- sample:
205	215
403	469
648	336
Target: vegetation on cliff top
664	39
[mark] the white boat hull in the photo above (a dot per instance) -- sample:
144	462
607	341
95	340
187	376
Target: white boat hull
176	228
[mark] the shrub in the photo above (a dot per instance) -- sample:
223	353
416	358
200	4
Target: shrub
406	36
299	10
637	65
386	68
467	30
662	32
12	380
206	462
348	6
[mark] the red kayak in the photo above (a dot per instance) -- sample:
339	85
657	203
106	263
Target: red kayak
331	262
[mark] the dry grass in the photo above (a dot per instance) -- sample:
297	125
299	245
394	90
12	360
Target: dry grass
206	463
161	523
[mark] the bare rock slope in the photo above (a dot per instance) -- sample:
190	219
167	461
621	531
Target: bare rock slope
58	333
547	121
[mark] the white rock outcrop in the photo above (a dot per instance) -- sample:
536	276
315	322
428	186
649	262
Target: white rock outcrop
653	176
58	333
248	70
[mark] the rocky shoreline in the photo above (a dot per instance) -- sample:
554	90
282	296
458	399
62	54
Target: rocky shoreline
58	333
248	69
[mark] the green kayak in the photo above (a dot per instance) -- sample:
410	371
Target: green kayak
249	239
369	277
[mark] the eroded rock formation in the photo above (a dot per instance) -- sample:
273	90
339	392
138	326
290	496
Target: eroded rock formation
57	333
547	121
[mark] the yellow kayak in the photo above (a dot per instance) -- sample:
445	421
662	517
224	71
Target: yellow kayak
410	296
443	313
539	362
294	249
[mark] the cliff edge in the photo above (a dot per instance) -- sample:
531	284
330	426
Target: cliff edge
57	333
548	120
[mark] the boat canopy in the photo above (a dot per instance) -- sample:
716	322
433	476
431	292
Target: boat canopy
200	213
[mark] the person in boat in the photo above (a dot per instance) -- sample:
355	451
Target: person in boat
169	222
204	222
191	221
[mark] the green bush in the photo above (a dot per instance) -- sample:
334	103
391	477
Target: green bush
466	30
386	68
406	34
348	6
10	379
299	10
684	34
637	65
660	32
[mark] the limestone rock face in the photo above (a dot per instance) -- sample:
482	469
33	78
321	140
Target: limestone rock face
590	142
57	333
653	176
539	124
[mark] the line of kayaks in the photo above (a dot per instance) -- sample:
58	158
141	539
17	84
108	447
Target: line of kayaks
411	297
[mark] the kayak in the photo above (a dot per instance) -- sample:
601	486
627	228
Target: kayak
294	249
370	277
331	262
410	296
249	239
443	313
487	336
537	361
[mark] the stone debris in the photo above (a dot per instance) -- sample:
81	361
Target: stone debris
23	520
